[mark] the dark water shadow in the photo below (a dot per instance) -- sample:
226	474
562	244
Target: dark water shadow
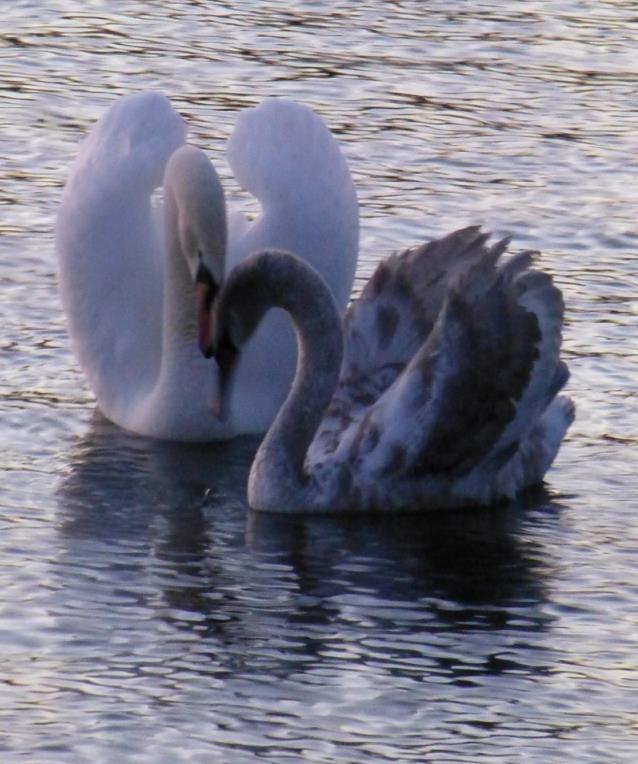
137	506
181	509
418	585
475	558
117	483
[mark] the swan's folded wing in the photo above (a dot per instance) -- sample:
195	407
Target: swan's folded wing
487	371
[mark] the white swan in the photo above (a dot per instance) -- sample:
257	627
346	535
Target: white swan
446	394
127	278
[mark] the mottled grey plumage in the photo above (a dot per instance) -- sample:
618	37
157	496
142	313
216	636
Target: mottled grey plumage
391	320
447	387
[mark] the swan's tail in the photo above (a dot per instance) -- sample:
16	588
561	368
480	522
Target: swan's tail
555	422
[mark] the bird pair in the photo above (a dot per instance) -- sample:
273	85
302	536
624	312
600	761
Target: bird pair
438	389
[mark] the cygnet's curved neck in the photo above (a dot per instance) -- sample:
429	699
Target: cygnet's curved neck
278	279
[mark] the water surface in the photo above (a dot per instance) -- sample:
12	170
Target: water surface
147	615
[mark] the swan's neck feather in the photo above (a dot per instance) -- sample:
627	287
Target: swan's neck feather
276	279
179	289
178	406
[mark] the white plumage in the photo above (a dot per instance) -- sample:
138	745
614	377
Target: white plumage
126	276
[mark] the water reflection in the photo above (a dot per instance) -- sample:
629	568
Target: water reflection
118	483
472	558
285	596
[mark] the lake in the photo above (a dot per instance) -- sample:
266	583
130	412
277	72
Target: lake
146	614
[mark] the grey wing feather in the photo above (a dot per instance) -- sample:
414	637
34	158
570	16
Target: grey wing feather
489	368
401	302
390	321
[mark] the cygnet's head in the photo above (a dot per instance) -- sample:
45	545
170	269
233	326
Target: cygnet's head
254	285
193	187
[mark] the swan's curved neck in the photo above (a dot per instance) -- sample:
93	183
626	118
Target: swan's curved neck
276	279
179	317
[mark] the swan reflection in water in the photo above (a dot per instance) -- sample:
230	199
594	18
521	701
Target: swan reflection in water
168	525
119	484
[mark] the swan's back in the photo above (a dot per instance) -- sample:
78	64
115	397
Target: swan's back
448	386
391	320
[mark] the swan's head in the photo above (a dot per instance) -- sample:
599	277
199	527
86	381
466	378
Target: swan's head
238	310
233	324
198	222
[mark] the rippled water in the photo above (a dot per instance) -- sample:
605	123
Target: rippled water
146	614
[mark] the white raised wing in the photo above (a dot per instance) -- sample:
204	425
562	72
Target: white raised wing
110	249
283	154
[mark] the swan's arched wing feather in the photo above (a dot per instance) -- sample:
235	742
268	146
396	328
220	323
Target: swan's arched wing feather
110	251
401	302
487	371
283	154
391	320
